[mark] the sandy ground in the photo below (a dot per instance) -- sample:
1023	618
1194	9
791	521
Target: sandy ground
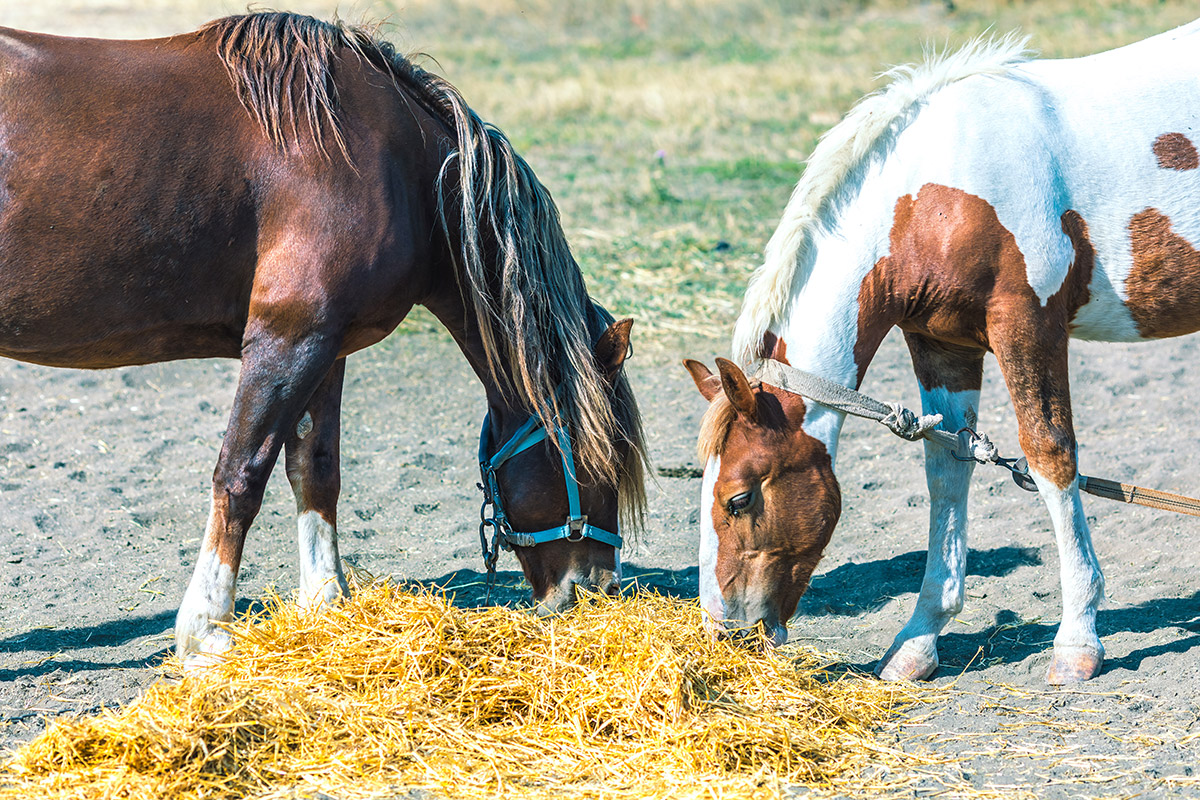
103	494
104	482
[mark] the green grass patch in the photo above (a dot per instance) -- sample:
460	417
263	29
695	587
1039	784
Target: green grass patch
753	168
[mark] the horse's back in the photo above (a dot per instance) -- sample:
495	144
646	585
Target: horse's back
1130	127
1110	139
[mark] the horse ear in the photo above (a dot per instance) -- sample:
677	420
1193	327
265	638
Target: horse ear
612	348
737	389
706	382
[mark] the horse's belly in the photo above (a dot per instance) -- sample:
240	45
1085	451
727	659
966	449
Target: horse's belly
97	314
84	346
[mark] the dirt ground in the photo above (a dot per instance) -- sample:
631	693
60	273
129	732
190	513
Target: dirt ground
103	481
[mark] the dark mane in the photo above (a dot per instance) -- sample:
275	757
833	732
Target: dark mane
517	270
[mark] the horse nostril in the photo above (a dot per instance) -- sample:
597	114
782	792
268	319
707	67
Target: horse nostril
614	588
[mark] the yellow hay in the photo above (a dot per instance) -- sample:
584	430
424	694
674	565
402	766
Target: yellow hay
619	698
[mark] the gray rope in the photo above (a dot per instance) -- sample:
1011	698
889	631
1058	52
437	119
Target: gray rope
898	419
907	425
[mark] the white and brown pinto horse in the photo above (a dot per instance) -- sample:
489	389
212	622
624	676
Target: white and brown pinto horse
981	202
283	190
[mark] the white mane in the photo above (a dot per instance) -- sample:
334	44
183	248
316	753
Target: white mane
839	152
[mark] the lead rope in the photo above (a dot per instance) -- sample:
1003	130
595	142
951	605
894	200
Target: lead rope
913	427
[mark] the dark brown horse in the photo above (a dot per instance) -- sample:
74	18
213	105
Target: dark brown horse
283	190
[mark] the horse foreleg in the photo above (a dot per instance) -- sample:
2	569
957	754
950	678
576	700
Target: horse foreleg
312	458
950	380
1036	372
278	377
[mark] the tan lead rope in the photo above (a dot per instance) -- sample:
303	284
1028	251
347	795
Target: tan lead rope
907	425
1153	498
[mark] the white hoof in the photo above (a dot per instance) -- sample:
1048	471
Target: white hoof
907	663
325	594
207	602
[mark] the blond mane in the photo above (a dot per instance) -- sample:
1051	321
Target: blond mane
840	151
531	306
714	427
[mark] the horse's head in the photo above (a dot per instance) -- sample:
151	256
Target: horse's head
548	495
769	503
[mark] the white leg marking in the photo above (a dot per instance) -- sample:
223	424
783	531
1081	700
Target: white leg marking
321	578
208	599
711	599
1082	579
913	654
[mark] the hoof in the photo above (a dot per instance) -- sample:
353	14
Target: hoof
324	595
899	665
200	646
1074	665
198	662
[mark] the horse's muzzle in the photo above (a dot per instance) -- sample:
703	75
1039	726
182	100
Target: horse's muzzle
565	595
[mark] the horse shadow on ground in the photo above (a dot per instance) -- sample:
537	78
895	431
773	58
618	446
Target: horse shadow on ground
847	590
1011	639
854	589
468	588
857	589
69	641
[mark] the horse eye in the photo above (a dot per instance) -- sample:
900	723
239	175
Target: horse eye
739	503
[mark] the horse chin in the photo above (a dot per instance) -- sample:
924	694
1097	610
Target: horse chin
764	634
556	601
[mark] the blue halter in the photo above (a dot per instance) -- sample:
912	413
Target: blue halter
575	529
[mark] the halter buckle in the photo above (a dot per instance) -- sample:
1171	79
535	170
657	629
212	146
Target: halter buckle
575	528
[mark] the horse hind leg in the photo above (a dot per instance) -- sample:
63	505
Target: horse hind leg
312	458
950	379
279	376
1035	368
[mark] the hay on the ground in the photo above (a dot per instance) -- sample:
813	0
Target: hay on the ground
619	698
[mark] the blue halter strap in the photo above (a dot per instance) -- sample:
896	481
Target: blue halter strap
575	529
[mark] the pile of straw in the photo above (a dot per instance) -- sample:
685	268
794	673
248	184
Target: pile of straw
619	698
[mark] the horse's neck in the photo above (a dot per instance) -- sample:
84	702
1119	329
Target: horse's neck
455	315
832	326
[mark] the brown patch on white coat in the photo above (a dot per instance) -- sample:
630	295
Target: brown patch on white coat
1163	286
955	276
1176	151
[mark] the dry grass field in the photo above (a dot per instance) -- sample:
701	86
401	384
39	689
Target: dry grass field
670	134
